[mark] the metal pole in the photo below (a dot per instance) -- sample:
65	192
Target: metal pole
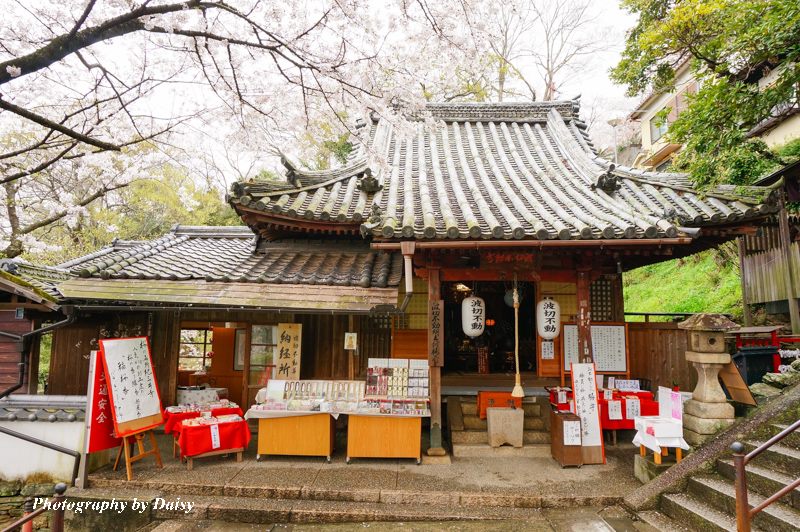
28	510
742	506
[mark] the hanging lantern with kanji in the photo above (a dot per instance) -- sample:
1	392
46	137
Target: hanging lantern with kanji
473	315
548	319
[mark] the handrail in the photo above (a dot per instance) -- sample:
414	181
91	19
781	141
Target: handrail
745	514
36	441
57	523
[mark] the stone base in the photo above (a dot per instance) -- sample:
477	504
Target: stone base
708	410
505	425
705	426
645	469
436	459
695	439
436	451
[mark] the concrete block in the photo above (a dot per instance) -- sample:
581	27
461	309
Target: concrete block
708	358
505	425
705	426
709	410
645	469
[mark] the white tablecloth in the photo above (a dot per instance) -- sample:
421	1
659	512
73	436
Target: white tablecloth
271	414
655	432
205	395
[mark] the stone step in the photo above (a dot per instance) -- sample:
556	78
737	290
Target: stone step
482	450
763	481
530	408
721	494
267	510
778	457
655	520
792	440
481	436
475	423
696	515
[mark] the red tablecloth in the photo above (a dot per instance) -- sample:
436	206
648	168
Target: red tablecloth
647	407
197	439
172	421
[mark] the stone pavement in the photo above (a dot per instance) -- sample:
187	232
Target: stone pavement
513	493
468	477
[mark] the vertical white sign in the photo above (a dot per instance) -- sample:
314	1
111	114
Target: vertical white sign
584	387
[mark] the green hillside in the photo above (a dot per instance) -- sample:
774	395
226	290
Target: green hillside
706	282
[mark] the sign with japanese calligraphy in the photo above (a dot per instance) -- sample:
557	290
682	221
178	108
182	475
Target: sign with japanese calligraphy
572	432
133	391
100	425
609	347
435	333
584	387
632	408
473	316
548	350
614	410
548	318
215	444
290	337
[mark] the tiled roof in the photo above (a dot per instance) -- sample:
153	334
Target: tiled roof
233	255
491	171
225	266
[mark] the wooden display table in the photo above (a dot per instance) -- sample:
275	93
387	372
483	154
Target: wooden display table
299	435
384	436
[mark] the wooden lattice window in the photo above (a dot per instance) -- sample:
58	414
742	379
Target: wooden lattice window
601	297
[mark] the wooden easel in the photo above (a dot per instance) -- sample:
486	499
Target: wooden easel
119	356
142	453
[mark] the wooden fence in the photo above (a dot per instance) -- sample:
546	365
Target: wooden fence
765	274
657	353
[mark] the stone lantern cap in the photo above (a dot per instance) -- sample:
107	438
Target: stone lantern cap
708	322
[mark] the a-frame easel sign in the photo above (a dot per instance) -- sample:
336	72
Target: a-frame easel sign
133	394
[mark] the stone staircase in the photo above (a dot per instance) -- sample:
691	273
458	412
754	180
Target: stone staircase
709	502
469	438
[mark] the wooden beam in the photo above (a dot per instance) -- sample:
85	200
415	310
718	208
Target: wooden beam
747	314
435	374
584	315
791	291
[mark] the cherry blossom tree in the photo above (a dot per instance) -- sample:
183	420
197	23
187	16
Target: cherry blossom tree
94	93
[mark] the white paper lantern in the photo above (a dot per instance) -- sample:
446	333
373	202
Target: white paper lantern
473	316
548	318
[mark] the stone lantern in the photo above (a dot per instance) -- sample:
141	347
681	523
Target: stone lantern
708	411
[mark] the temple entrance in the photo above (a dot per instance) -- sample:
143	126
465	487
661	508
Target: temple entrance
463	355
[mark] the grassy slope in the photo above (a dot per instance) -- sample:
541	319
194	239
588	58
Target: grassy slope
694	284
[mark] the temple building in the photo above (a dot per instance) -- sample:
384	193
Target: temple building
482	199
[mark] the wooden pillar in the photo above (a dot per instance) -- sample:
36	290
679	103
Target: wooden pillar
617	299
584	281
791	295
435	360
747	315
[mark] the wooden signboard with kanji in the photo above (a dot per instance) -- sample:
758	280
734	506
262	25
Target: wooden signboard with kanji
435	333
290	338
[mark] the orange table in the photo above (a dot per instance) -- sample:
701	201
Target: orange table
384	436
296	435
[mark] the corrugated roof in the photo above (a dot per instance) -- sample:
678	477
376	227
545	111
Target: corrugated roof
492	171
